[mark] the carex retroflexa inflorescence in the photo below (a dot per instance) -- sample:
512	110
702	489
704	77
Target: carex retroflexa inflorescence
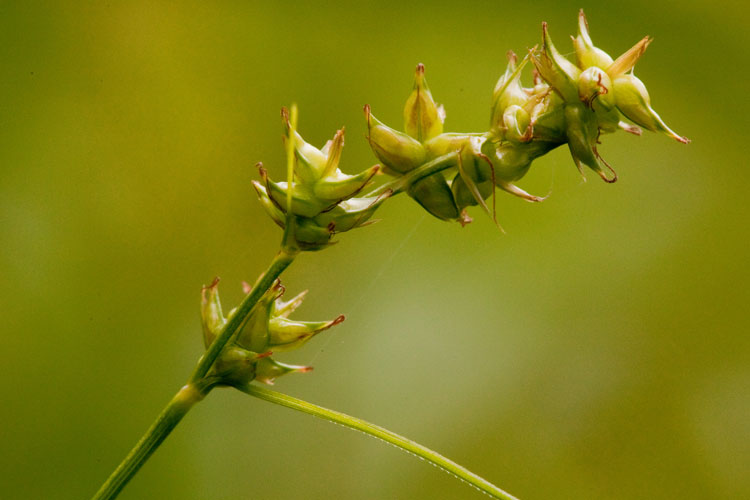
568	103
571	103
265	331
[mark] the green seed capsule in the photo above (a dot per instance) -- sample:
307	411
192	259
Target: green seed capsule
310	160
508	91
350	214
253	334
247	355
610	120
236	365
434	194
511	161
211	315
634	102
517	124
398	152
557	71
269	206
286	334
548	120
587	54
594	89
465	195
304	201
583	131
310	236
337	186
268	370
423	118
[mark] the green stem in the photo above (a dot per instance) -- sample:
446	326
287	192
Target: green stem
278	265
158	432
197	387
402	183
401	442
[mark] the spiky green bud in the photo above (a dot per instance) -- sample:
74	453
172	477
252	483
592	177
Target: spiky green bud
267	329
320	200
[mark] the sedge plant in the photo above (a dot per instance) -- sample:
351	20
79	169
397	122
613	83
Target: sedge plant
569	103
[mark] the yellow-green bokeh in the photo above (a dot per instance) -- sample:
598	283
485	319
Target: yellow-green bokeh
599	349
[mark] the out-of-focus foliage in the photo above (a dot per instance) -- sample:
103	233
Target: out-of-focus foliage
597	350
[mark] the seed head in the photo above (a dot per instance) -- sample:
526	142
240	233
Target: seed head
266	330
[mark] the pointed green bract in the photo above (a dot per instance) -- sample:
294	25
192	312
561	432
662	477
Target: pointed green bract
211	315
508	91
633	101
588	55
351	213
582	133
557	71
627	60
423	118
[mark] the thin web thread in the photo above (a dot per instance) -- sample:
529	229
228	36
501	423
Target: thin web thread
357	303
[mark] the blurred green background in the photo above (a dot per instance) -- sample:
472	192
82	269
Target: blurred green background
597	350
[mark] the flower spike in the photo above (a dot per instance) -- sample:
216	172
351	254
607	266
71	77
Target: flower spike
266	330
318	187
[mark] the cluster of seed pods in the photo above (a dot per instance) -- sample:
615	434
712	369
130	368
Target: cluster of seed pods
569	103
267	330
323	199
